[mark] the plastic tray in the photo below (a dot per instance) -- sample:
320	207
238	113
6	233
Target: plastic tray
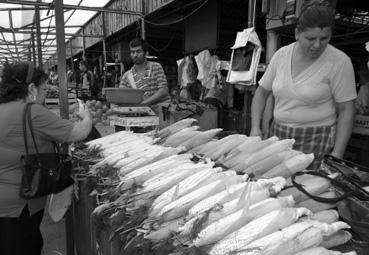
123	95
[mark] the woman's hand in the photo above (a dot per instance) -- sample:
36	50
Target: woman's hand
83	111
256	132
81	129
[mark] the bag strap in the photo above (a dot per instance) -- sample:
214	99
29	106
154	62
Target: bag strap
24	126
347	190
27	118
333	162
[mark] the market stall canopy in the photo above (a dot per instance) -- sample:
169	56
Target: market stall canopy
18	26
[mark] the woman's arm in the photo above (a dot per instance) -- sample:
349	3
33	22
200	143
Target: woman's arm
267	115
345	123
257	110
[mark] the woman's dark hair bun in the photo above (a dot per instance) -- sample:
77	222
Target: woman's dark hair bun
16	78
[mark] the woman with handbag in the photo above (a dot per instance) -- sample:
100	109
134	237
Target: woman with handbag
20	218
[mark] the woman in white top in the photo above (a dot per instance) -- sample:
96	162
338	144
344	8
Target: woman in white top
313	84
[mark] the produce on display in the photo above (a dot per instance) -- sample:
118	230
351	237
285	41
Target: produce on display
52	91
322	251
184	191
293	238
99	111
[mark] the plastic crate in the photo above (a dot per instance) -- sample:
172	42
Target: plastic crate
123	95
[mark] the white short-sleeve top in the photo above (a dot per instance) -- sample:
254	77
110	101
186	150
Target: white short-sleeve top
309	99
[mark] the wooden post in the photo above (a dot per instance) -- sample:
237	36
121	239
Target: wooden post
63	101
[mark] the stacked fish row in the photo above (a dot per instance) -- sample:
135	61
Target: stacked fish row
230	198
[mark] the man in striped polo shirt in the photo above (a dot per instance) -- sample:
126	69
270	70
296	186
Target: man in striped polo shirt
146	75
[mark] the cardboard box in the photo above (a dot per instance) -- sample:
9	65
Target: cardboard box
361	125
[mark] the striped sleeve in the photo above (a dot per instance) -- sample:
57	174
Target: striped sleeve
158	72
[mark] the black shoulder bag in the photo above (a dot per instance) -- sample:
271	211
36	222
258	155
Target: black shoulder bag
352	199
42	173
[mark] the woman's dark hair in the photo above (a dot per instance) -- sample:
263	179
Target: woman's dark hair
139	42
315	13
16	78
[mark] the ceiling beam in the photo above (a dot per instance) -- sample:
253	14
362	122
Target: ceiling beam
21	9
73	7
33	27
5	30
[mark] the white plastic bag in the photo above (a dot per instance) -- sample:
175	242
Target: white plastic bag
59	203
245	58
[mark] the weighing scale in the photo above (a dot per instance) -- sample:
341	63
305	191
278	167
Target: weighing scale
132	116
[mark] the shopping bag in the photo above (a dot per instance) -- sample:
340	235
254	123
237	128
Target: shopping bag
42	173
59	203
352	199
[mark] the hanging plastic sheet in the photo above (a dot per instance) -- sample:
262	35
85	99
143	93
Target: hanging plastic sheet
186	75
211	78
245	58
209	67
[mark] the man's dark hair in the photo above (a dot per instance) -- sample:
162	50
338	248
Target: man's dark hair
84	63
315	13
139	42
16	78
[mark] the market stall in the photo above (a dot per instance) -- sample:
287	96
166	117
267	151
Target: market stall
184	191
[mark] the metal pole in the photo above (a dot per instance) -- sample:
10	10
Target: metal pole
38	34
44	33
11	27
83	45
247	95
29	56
104	50
251	14
75	7
33	48
71	59
143	30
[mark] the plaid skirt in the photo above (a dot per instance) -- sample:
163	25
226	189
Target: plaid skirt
318	140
